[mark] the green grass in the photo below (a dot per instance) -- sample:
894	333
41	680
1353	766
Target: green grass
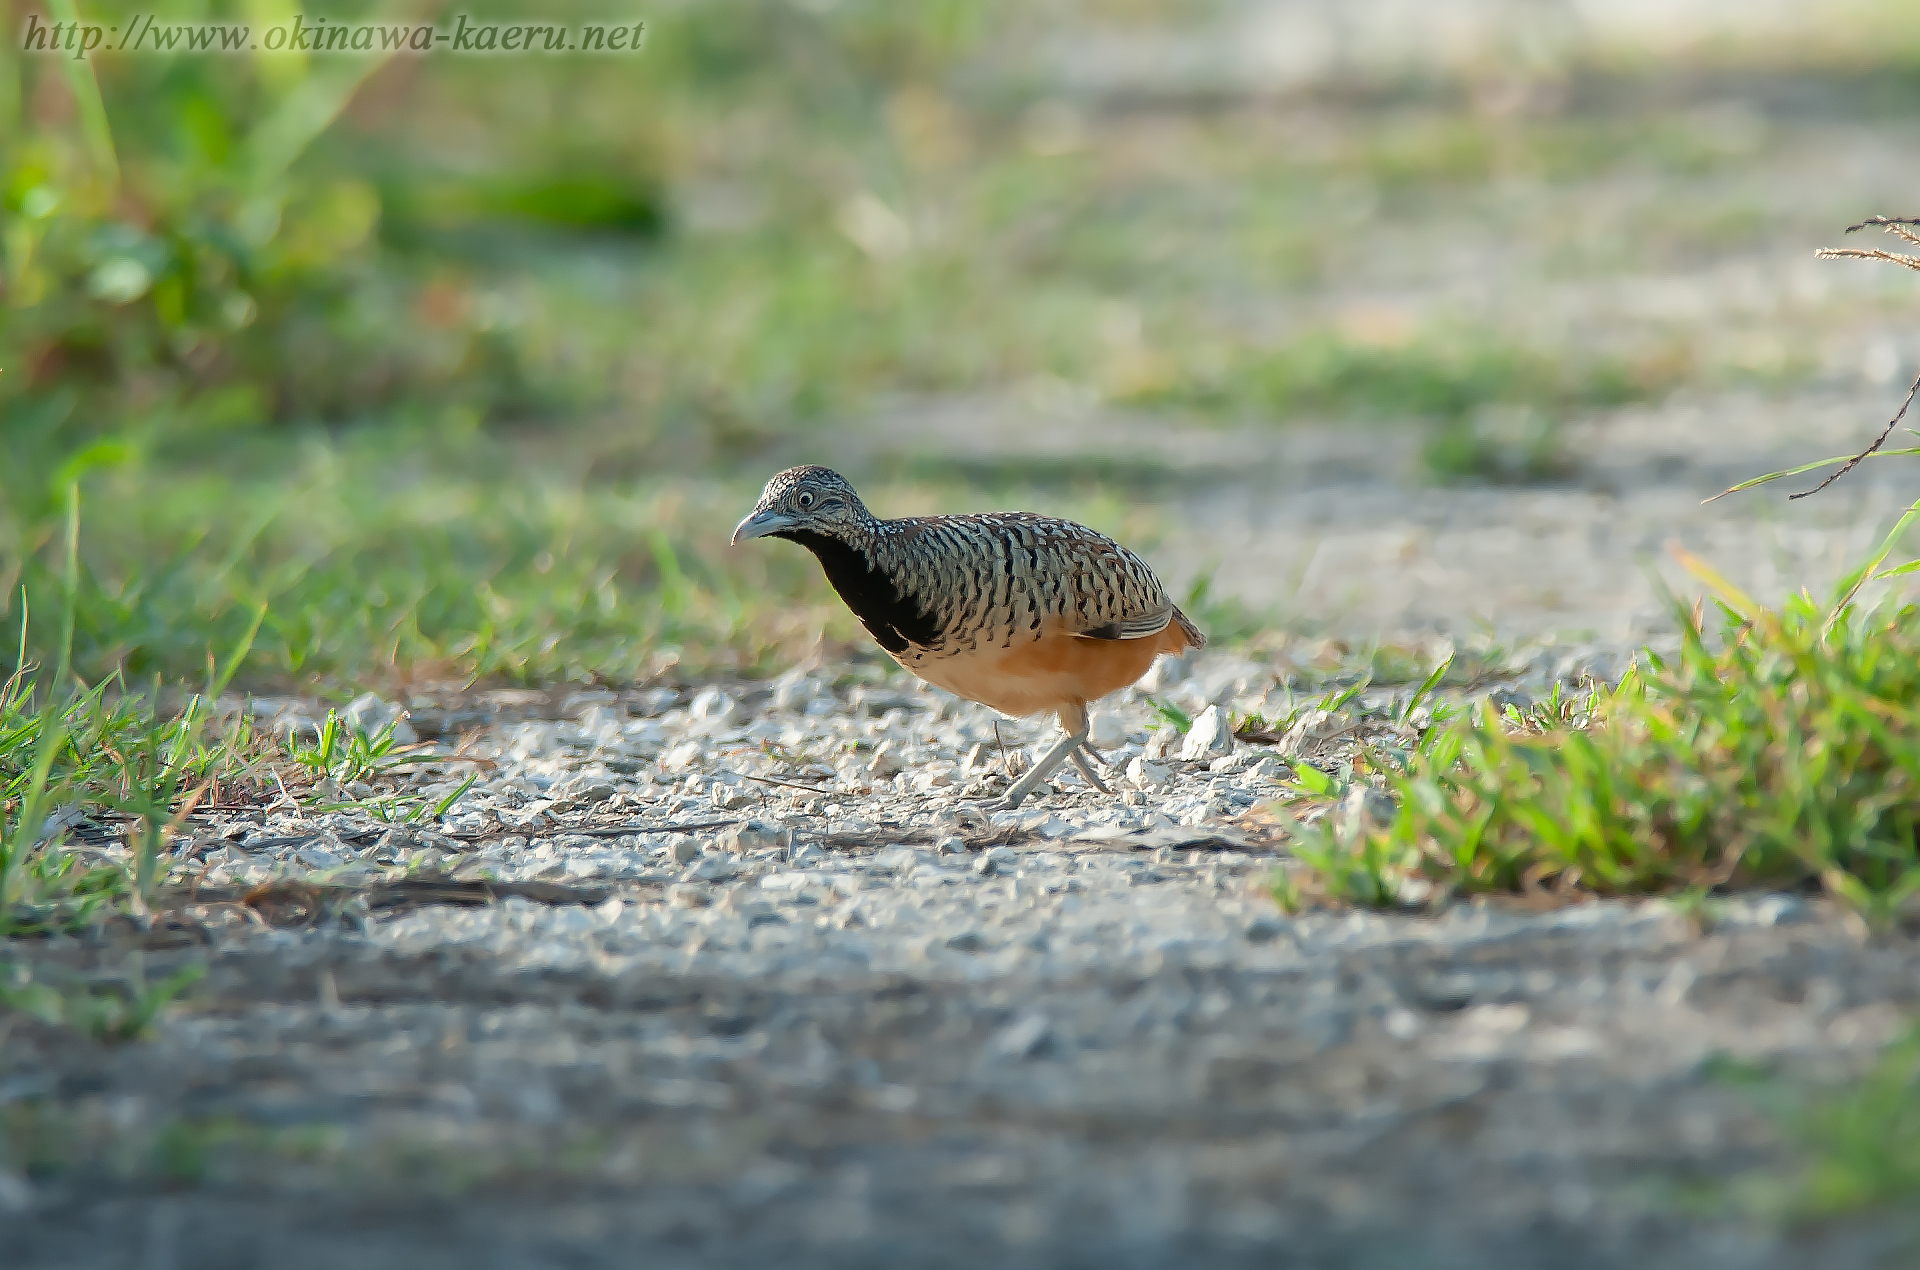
352	560
1780	753
106	1011
1853	1148
1863	1141
1784	752
44	1141
677	244
41	1141
102	751
1494	406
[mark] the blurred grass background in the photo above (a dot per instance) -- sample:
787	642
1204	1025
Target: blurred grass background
463	367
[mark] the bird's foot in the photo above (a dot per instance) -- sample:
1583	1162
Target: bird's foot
1106	764
1086	769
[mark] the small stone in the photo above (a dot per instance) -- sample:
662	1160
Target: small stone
296	728
369	714
966	816
1365	810
689	895
895	860
886	761
1142	773
684	848
1023	1038
1264	929
951	846
996	860
16	1193
1210	735
1106	732
1166	672
967	941
591	791
794	694
1502	699
1265	769
1230	764
711	703
751	835
1162	743
62	820
682	756
1779	910
712	868
1309	732
597	704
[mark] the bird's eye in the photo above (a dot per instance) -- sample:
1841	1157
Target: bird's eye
806	500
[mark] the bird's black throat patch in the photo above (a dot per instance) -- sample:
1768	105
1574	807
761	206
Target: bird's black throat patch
889	615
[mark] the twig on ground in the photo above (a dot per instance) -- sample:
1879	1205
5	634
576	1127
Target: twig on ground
768	780
597	831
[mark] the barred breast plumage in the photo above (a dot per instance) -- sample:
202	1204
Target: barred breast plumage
1021	612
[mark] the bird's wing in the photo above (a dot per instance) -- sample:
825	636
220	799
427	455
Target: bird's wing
1136	626
1115	594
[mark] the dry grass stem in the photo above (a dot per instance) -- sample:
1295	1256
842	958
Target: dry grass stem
1897	226
1867	253
1861	457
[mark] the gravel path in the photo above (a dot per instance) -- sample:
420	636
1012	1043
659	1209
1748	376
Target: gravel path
872	1026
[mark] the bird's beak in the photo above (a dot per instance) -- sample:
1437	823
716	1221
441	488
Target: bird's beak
760	524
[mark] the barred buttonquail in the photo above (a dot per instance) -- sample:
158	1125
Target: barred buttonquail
1019	612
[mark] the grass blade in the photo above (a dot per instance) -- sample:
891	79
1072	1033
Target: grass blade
86	96
1803	469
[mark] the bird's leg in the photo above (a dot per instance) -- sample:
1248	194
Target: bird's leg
1048	764
1073	721
1080	753
1106	764
1085	752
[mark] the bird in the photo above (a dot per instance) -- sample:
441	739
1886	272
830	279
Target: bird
1024	613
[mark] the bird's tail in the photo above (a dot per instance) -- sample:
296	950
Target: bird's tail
1190	636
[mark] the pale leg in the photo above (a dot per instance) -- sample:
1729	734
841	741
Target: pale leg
1074	722
1080	761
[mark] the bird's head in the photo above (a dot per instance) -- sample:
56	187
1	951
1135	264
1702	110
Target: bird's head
801	499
